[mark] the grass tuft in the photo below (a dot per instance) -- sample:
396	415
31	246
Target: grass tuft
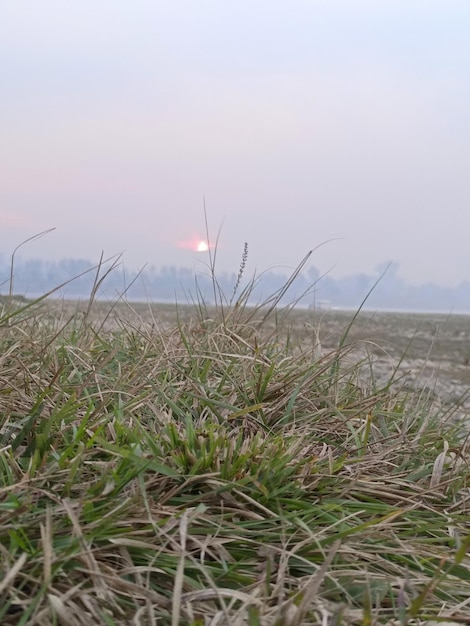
217	472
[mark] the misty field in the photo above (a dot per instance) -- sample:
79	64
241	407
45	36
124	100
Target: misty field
231	465
419	350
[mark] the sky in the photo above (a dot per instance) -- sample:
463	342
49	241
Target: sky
341	126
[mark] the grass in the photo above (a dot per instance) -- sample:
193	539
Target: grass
219	472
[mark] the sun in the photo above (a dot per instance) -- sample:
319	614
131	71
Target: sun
196	244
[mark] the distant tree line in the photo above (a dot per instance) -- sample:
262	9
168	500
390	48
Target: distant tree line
34	277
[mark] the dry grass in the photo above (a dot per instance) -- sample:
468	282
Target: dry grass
213	472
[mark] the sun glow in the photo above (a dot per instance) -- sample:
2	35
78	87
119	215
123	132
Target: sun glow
195	244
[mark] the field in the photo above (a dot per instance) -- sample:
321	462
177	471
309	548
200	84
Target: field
236	466
431	351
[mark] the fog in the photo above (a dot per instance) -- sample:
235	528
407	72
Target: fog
335	126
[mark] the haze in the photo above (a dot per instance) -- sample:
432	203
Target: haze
300	122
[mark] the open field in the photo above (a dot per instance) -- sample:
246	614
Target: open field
431	351
227	467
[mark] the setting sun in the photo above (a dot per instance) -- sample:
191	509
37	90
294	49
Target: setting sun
195	244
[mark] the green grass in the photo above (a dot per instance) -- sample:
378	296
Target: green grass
219	473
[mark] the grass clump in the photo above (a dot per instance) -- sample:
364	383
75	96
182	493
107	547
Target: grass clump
215	473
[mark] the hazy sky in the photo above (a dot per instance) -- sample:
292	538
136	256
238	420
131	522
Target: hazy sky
301	121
